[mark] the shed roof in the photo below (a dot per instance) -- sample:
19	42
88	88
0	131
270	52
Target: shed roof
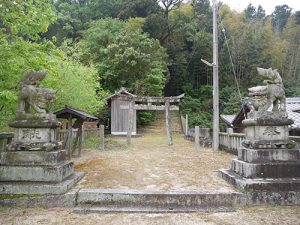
76	113
122	91
228	119
292	108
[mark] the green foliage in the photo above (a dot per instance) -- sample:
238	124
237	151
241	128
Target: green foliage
280	17
145	117
77	86
199	109
21	48
74	16
138	8
125	57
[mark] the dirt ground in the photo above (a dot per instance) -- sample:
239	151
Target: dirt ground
253	216
151	164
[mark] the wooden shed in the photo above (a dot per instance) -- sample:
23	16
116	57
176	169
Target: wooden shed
119	112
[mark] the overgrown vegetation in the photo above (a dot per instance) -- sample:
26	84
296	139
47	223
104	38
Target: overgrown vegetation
152	47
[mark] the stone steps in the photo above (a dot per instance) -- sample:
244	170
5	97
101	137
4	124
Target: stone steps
110	200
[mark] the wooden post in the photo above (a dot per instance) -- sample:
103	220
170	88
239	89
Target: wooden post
80	135
186	125
70	134
102	137
130	121
75	142
197	137
168	122
229	133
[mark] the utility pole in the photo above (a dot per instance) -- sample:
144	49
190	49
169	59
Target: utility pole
215	144
215	66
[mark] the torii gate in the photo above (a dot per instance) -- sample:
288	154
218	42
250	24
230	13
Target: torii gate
138	103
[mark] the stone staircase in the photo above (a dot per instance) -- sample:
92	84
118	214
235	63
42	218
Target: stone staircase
110	200
158	126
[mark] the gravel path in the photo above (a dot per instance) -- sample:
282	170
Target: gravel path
153	165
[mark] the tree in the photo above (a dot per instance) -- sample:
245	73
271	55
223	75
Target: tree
139	8
21	48
168	6
74	16
260	13
125	57
70	76
250	12
280	17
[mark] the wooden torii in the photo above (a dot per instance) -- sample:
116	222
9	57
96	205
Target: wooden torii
133	100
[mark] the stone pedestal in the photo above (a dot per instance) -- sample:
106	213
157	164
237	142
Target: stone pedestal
268	160
34	162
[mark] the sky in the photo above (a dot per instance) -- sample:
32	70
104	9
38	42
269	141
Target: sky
268	5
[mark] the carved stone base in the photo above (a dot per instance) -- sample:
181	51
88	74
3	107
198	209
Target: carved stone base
34	139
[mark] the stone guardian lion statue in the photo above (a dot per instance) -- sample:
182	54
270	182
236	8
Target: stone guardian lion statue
33	97
273	94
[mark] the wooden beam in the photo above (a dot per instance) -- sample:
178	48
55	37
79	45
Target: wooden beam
168	123
151	99
151	107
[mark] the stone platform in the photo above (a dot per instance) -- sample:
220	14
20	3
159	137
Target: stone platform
40	188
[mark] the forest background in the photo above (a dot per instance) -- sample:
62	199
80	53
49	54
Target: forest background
151	47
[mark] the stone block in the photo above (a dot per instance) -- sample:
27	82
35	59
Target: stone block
31	158
266	170
53	174
259	184
267	133
34	135
40	188
268	155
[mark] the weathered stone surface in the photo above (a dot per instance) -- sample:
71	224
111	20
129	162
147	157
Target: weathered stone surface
54	174
40	188
266	170
261	184
104	200
267	133
268	155
32	158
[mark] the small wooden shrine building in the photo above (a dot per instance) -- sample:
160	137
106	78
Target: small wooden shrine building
119	112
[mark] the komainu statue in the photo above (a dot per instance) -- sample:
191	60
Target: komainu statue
272	94
33	97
